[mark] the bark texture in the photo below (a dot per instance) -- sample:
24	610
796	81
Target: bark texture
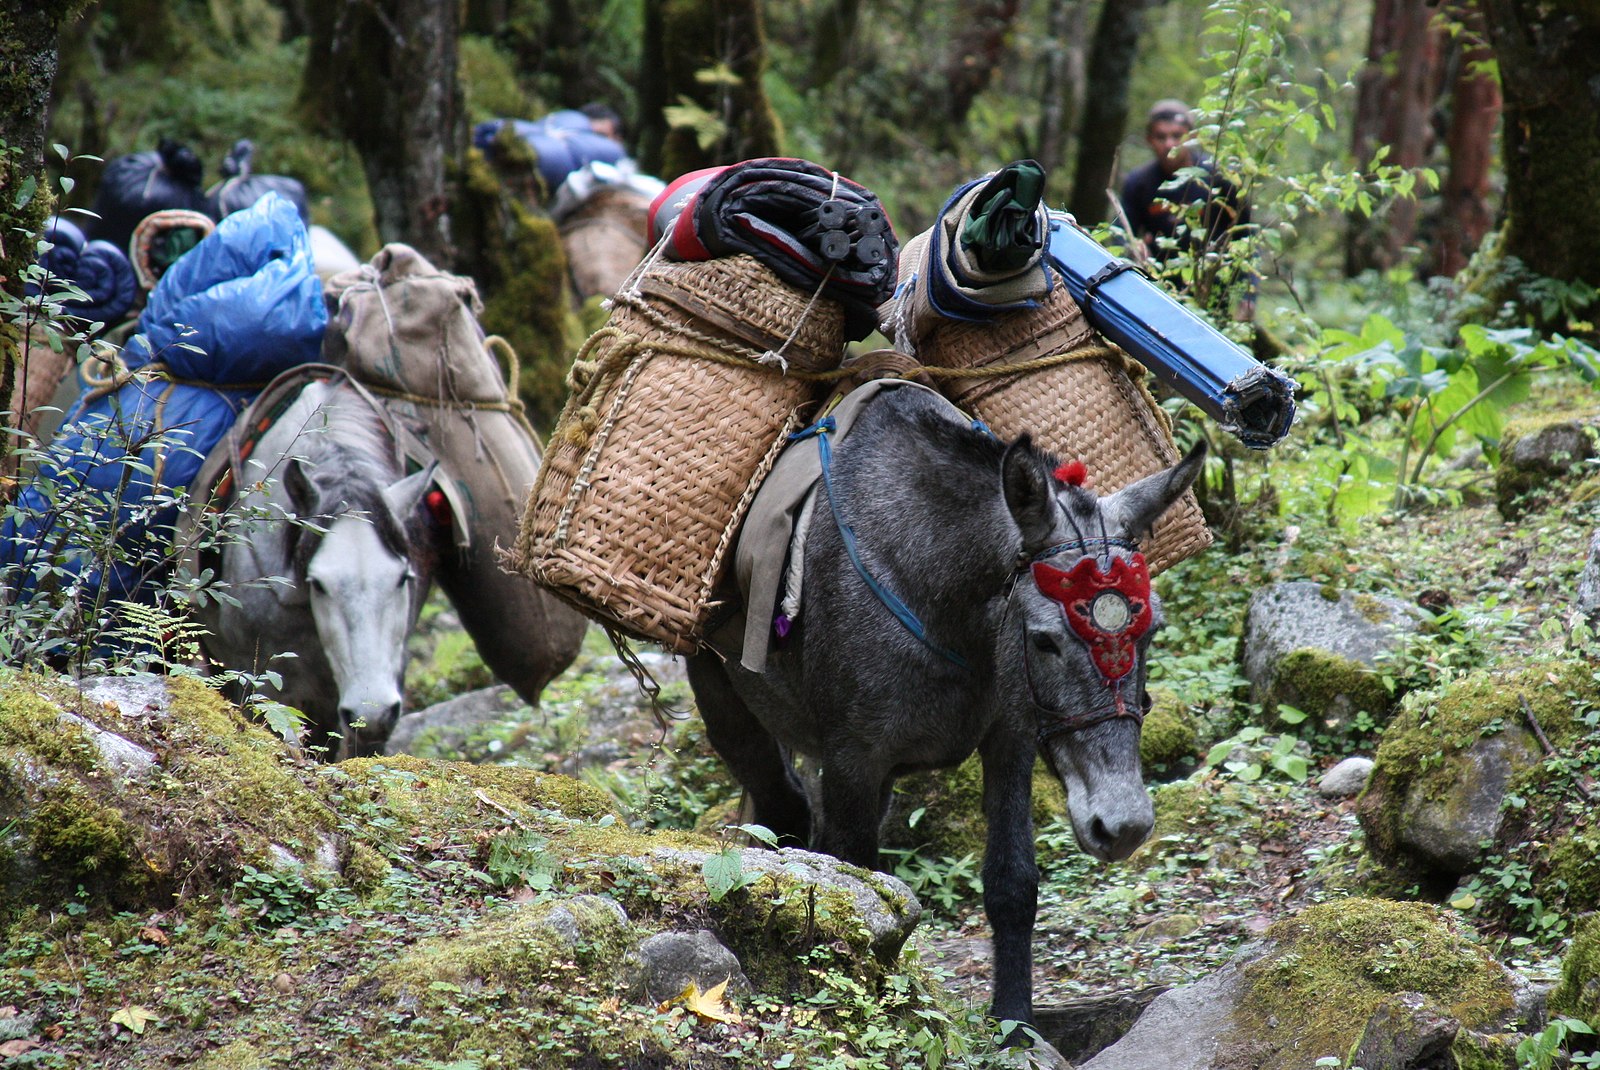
1396	93
976	52
1549	53
1105	106
726	40
1064	73
1469	140
383	74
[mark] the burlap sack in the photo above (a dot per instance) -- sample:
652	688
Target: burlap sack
410	334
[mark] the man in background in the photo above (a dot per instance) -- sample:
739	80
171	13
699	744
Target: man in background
1155	199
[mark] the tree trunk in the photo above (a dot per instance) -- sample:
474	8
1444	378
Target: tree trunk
383	74
27	69
733	119
1063	82
976	51
1474	113
1549	61
1105	106
1395	95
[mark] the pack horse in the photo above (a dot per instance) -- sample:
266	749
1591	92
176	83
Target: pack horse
332	565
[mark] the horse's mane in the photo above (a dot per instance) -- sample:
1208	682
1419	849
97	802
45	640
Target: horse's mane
350	460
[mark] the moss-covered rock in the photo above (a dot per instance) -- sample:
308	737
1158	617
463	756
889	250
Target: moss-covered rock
1539	454
133	789
1330	687
1170	739
420	912
1578	994
1337	965
1448	759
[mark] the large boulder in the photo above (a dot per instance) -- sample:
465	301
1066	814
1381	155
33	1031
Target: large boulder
1449	759
1538	454
1315	647
1395	982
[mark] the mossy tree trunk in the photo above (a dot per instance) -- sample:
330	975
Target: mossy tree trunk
1064	72
709	55
1549	61
1474	113
383	74
29	31
977	50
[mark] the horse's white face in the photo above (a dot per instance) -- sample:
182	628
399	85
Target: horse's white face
361	598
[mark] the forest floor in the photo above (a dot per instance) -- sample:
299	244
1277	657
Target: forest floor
1255	848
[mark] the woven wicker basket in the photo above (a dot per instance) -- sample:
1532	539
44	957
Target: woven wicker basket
670	428
1096	409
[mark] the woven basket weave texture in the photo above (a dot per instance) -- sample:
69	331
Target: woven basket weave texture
652	465
1096	409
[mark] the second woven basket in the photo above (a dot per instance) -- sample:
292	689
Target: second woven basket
1093	406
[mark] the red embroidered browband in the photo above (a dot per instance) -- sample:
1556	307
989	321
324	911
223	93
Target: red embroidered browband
1109	611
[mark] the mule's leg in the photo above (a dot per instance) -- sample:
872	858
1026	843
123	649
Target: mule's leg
1010	872
851	802
752	754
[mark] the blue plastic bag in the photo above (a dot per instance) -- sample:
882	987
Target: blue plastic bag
247	298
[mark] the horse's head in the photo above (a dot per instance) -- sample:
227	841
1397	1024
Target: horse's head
1082	593
358	571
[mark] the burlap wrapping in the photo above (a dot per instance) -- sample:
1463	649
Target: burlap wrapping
410	334
1095	408
672	423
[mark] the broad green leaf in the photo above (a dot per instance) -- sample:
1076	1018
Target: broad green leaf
722	873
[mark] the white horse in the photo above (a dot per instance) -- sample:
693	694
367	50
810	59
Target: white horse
334	562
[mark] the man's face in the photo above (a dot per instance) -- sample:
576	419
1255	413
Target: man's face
1167	139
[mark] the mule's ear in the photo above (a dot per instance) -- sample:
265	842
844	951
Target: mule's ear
302	492
1134	509
1029	494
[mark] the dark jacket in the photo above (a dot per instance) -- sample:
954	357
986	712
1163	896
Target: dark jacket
1224	216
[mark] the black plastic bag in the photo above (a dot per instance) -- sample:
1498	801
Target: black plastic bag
135	185
239	189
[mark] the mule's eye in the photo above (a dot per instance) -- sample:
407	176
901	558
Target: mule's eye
1045	642
1146	703
406	577
318	586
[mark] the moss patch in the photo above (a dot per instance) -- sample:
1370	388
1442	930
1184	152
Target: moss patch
1337	963
1170	737
1578	994
952	823
1566	437
1328	686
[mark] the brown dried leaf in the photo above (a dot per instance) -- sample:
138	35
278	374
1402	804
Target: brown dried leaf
13	1048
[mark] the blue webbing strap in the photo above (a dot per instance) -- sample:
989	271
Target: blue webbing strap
900	610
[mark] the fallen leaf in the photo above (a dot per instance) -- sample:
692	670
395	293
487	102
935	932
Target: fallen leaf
152	935
134	1018
8	1011
13	1048
707	1005
54	1031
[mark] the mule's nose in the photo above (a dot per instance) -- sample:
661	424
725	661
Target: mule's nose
376	722
1115	839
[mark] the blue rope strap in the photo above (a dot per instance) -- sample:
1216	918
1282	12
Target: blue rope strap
901	611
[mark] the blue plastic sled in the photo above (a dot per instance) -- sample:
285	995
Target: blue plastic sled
1247	398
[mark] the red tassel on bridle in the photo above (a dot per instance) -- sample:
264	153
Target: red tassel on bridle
1073	473
438	507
